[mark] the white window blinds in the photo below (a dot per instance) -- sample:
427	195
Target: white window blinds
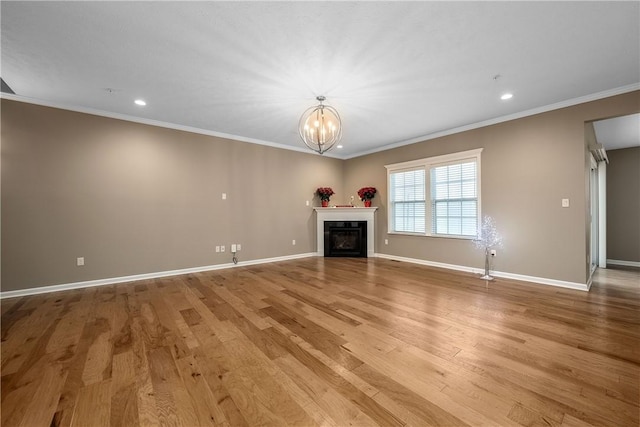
454	199
408	201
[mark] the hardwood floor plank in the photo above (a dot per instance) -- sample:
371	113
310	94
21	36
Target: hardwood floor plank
568	395
315	335
223	330
213	364
324	372
44	402
241	308
98	364
124	403
9	307
172	406
426	411
14	404
325	341
267	346
321	306
433	339
526	417
251	363
573	373
427	386
93	406
223	398
145	396
75	368
204	402
310	406
334	405
20	337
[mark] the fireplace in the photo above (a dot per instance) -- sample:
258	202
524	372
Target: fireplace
345	239
348	215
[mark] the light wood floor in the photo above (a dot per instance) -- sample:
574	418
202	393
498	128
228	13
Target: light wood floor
325	342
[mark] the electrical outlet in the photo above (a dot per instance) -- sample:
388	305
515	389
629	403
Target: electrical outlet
307	203
233	247
293	242
224	196
221	248
80	261
217	248
493	252
239	247
565	203
386	241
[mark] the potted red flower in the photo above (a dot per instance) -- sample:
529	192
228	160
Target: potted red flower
325	193
366	194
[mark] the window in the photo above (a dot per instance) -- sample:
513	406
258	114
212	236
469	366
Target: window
454	199
452	205
408	201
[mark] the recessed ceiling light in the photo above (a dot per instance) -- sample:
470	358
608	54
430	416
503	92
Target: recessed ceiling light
339	146
506	96
140	102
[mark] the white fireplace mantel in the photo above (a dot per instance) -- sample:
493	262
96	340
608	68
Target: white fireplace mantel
345	214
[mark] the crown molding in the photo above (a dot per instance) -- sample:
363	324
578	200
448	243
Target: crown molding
157	123
546	108
502	119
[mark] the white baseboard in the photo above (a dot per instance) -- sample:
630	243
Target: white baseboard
430	263
522	277
155	275
623	263
146	276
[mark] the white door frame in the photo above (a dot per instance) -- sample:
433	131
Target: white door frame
602	214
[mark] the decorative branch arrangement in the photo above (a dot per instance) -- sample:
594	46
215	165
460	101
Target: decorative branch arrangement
487	239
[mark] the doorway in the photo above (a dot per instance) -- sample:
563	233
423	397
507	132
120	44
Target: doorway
615	241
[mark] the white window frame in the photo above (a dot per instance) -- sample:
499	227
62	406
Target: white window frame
427	164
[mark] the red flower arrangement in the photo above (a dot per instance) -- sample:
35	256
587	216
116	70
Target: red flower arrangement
367	193
325	193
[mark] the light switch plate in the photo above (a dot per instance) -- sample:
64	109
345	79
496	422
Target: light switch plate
565	203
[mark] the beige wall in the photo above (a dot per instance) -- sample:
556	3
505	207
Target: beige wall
135	199
528	166
623	205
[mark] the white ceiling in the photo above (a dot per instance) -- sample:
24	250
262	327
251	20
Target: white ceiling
619	132
397	72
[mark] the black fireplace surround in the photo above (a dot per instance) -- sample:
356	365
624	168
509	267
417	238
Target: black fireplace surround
345	239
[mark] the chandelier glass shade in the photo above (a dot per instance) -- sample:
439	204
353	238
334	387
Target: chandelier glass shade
320	127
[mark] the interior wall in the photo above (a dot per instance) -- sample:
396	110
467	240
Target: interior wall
623	205
133	199
528	166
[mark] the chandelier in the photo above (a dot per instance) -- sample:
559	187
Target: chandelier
320	127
